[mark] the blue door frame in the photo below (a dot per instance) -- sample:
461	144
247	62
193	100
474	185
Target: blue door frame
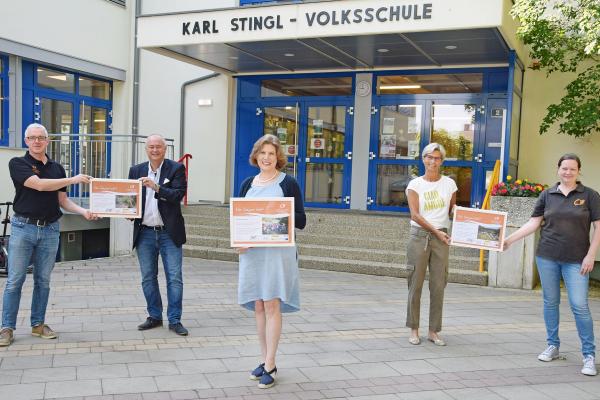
250	127
33	95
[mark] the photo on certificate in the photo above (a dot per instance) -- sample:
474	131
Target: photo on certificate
480	229
261	222
116	198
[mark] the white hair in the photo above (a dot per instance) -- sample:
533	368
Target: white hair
33	126
431	147
157	135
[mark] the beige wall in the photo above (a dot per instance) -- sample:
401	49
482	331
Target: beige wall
71	27
538	154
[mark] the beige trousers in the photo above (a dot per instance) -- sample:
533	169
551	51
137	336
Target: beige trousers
424	249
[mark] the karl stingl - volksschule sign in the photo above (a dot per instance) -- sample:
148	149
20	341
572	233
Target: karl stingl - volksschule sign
324	18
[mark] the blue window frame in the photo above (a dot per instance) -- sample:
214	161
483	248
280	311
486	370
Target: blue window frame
77	110
251	2
3	100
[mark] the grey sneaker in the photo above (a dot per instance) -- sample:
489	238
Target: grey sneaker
589	366
6	337
551	353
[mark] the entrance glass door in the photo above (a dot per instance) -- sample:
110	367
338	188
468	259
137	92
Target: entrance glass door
326	157
455	126
395	153
317	141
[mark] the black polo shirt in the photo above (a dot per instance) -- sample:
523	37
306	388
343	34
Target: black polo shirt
565	234
30	202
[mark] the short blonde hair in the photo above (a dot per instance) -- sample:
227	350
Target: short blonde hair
274	141
431	147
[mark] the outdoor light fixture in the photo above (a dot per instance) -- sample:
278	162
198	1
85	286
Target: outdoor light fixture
205	102
393	87
450	47
382	50
289	54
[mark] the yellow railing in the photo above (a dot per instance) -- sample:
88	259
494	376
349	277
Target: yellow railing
486	203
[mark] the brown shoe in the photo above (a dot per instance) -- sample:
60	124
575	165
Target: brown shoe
43	331
6	337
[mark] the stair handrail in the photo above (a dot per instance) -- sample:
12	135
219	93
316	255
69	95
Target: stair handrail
185	161
486	204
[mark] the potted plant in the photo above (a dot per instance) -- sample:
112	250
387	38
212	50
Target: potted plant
517	198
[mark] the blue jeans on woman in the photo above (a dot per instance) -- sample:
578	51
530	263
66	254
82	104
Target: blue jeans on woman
150	244
29	244
577	289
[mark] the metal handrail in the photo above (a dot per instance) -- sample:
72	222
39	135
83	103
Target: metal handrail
185	160
486	204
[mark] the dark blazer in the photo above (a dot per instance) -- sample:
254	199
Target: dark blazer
169	199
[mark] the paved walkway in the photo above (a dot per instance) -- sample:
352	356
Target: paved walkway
348	341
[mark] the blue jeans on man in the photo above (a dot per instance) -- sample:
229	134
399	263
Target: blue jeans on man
150	244
29	244
577	289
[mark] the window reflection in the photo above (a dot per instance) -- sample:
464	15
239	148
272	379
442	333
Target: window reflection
281	122
453	126
57	80
324	182
430	83
57	117
336	86
94	88
463	177
400	131
326	132
392	181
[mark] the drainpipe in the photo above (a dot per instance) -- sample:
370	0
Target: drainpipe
182	109
136	84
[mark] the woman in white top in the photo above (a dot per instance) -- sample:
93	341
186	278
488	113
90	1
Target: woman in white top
431	198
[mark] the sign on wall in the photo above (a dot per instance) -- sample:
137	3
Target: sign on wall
316	19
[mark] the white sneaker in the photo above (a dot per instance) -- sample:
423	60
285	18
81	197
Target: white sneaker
551	353
589	366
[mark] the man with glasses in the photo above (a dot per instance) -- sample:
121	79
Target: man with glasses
40	192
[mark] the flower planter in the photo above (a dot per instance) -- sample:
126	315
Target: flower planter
514	268
519	209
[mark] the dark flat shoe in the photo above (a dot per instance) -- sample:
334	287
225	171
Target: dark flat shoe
150	323
178	329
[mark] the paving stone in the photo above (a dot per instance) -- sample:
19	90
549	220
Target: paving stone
49	374
27	391
102	371
183	382
72	360
128	385
73	388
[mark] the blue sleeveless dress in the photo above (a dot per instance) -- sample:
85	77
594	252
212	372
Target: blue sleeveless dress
267	273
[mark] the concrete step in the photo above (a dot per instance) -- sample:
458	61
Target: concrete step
341	265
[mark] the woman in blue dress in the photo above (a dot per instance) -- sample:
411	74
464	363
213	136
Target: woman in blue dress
268	276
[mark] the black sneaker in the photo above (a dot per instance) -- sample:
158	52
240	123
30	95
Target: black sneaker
178	329
150	323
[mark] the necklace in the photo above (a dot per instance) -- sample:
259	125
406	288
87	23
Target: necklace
267	180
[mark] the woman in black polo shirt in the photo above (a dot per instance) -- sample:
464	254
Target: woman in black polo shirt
567	209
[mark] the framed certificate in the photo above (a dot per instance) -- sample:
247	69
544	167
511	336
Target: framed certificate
116	198
261	222
480	229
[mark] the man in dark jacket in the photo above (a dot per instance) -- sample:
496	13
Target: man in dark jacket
161	230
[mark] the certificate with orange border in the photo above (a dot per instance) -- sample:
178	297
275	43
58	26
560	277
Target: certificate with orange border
261	222
480	229
116	198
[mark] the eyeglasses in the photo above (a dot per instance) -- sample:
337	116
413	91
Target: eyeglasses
432	158
37	138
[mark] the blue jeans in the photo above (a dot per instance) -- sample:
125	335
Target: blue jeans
150	244
577	289
29	244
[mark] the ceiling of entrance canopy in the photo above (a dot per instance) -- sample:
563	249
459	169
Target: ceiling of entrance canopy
422	49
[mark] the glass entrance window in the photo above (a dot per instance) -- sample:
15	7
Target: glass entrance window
392	180
453	126
57	80
93	148
332	86
324	183
3	86
326	132
400	131
94	88
430	83
57	117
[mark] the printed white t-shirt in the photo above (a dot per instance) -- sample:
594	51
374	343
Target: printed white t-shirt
434	200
